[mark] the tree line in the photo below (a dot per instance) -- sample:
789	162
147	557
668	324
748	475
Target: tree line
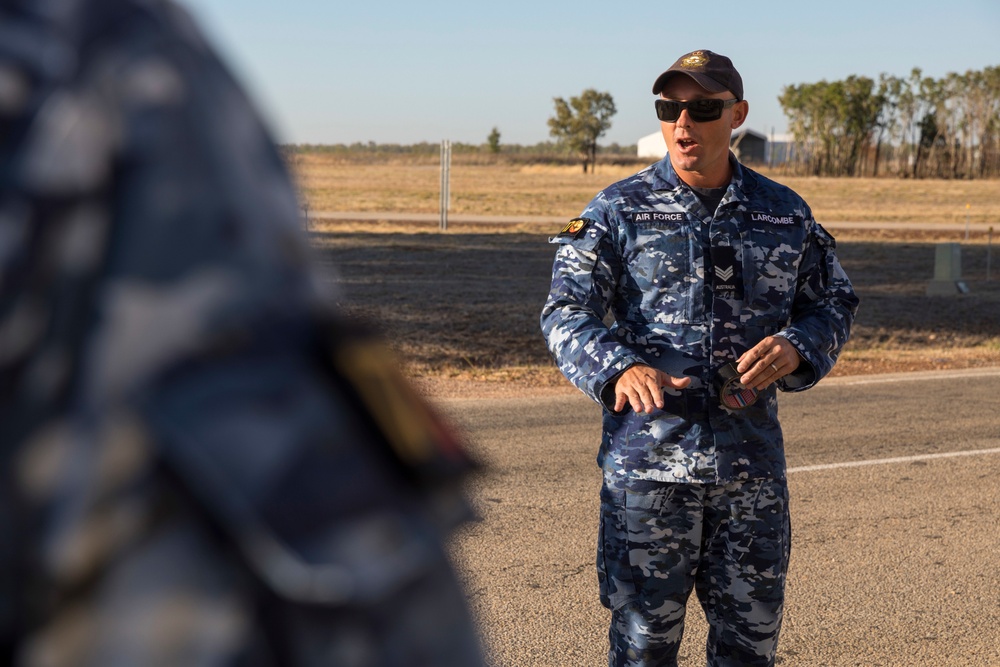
544	151
910	127
576	125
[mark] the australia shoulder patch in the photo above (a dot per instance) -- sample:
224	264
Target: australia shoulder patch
575	227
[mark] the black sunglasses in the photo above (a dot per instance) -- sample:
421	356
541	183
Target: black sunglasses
700	111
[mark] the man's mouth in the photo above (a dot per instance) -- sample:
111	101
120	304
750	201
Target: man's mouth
686	144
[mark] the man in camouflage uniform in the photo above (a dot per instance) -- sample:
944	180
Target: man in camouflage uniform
720	288
201	463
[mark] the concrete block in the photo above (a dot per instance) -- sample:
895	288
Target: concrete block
947	271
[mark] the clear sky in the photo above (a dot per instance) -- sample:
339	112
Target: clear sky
392	71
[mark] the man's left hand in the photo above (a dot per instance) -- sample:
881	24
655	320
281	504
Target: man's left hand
769	360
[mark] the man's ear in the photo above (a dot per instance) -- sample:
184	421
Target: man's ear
740	111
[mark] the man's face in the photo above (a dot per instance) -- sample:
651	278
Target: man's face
699	152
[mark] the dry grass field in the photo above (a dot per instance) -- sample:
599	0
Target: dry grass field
461	307
412	186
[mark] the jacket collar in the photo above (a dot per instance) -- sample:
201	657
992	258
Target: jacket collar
744	181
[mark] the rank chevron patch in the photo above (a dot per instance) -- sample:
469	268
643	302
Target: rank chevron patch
724	274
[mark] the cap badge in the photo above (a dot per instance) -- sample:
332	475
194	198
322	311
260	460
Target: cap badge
696	60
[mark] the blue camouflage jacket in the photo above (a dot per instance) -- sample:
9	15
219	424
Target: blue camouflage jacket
650	276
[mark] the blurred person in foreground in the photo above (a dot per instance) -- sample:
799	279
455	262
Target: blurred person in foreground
720	288
202	464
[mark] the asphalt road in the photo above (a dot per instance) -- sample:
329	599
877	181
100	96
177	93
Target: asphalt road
895	487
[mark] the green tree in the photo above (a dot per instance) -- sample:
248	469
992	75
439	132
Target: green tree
917	126
863	106
835	121
493	140
579	123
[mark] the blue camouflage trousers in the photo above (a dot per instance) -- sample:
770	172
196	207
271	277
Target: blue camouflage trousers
659	540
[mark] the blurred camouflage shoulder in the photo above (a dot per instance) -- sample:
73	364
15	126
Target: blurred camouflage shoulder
181	432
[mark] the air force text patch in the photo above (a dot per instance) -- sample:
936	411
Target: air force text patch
657	216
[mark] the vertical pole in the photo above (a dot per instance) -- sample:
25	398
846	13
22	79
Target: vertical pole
770	149
441	212
445	201
989	252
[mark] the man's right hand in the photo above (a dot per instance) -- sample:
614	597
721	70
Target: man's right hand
642	388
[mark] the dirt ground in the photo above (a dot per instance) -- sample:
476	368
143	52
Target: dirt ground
461	307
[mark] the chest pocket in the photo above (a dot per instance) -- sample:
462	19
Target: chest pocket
665	267
771	258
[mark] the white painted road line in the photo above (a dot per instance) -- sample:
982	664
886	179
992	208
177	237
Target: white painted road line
898	459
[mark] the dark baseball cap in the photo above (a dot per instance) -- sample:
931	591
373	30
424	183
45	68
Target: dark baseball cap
711	71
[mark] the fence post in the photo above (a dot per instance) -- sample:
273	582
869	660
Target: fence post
445	182
989	252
